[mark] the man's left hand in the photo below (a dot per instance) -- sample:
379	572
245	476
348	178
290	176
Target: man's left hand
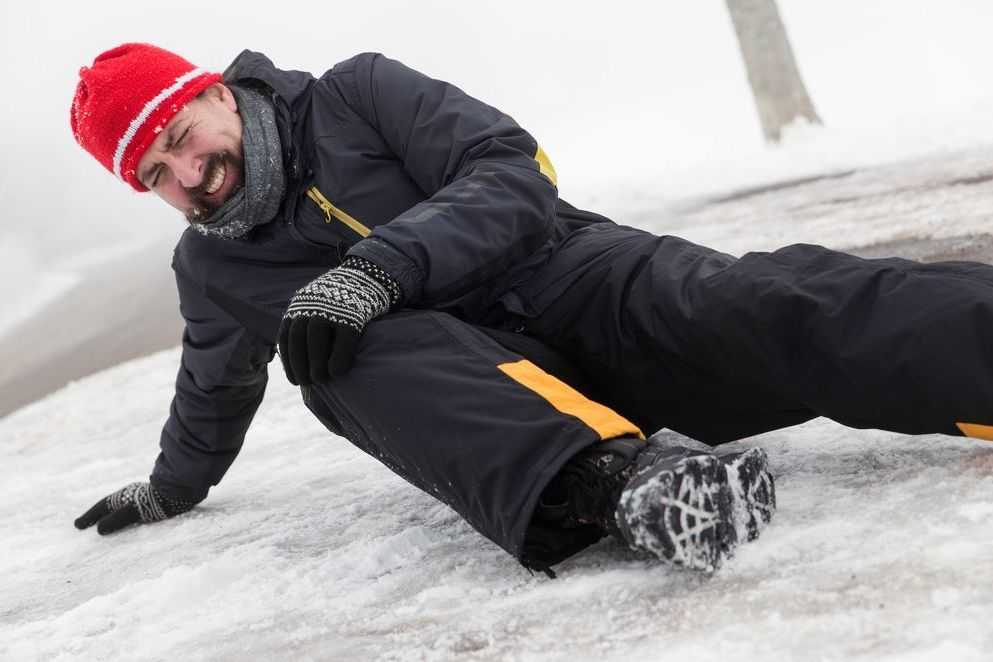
132	504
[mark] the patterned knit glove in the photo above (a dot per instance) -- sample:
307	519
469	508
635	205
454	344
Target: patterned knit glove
323	323
134	503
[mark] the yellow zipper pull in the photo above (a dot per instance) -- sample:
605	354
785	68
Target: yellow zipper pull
330	211
316	196
327	213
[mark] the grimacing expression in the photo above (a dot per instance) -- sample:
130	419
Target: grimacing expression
196	163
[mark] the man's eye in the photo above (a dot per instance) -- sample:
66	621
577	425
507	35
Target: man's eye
182	137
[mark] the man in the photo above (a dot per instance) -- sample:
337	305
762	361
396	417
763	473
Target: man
404	246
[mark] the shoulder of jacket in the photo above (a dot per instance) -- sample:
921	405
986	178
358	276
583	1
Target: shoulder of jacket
254	66
357	69
354	63
350	78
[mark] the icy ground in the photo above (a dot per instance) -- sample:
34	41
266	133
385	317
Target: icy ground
882	548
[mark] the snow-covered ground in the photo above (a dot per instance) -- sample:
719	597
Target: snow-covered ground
882	548
309	550
944	194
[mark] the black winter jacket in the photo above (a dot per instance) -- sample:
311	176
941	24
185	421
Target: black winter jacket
449	195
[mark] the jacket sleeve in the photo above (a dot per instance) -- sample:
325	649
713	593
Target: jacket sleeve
490	190
221	381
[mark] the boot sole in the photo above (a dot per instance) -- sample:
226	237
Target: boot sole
683	514
754	491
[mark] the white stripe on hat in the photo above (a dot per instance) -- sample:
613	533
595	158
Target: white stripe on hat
149	108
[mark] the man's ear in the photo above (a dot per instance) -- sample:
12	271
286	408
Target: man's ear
221	93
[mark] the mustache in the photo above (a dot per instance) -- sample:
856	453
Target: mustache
203	206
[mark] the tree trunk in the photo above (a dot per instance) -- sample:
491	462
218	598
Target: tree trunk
779	92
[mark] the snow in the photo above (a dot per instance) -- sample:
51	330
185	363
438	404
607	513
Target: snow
311	550
942	195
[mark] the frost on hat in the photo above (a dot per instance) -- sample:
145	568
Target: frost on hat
125	99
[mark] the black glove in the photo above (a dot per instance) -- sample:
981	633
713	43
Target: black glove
137	502
323	323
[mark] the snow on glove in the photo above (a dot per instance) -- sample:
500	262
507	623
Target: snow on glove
134	503
322	325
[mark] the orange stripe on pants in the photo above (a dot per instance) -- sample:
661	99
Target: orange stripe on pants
605	421
976	430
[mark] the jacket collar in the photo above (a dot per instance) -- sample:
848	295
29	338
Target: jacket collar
290	90
249	65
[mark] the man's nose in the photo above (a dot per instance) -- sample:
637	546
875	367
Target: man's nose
188	170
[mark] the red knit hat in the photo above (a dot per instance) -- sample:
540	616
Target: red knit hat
126	97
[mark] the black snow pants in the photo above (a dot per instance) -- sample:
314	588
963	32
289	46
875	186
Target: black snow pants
659	332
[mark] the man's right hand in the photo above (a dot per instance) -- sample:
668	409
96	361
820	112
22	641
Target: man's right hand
134	503
320	331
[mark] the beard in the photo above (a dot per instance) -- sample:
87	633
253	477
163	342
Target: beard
203	204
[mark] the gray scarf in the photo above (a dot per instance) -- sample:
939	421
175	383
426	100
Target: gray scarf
257	202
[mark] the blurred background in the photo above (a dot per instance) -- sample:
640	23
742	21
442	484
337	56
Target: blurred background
639	105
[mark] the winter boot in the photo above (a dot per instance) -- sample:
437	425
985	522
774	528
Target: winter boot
753	487
679	506
671	500
671	496
586	489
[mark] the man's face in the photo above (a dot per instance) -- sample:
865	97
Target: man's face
196	163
